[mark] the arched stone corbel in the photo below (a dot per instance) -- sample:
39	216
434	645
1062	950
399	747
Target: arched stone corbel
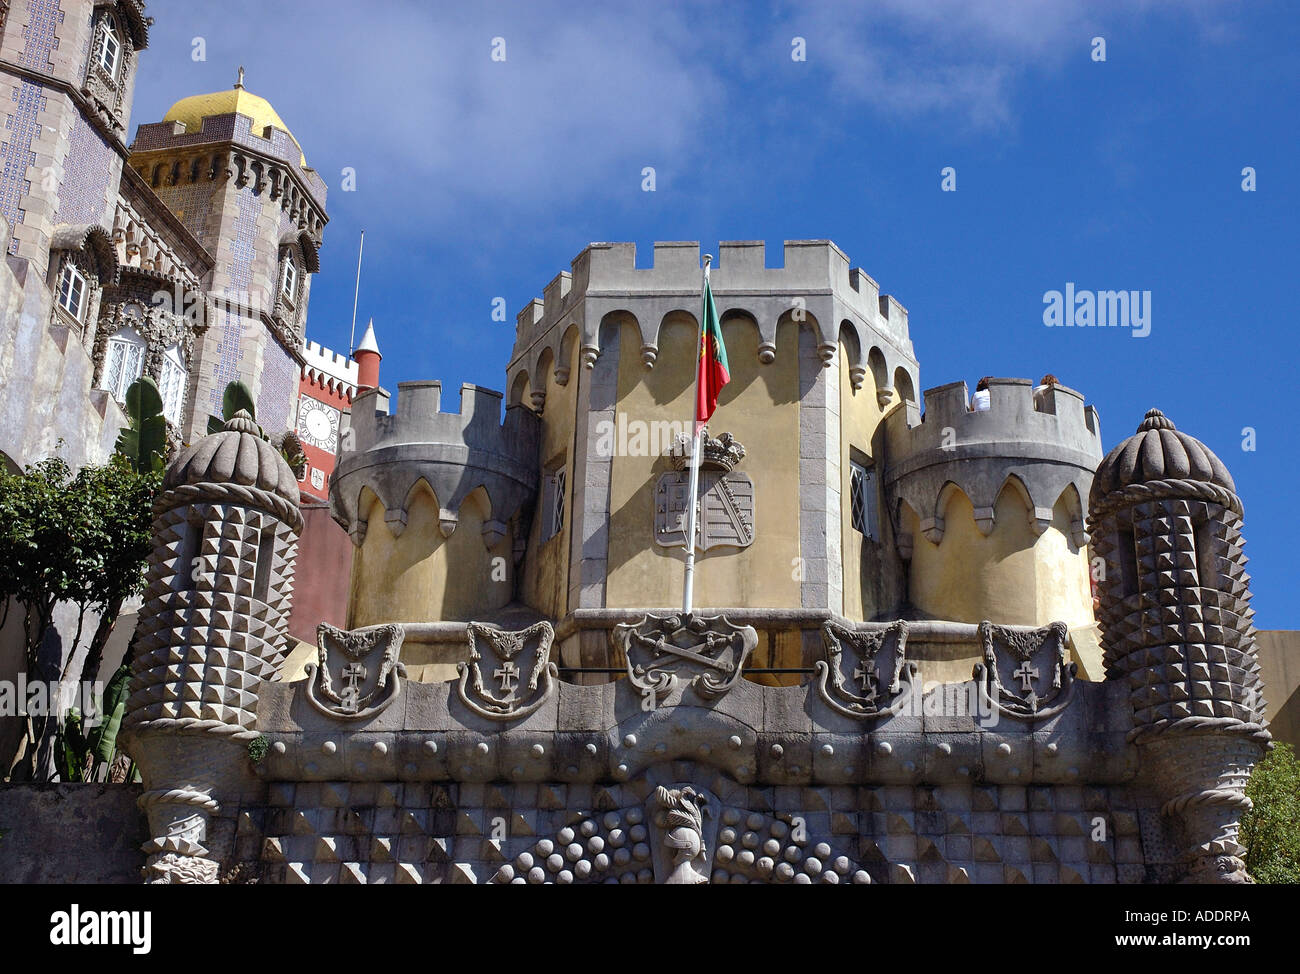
561	375
447	521
493	533
932	528
827	352
857	374
903	542
589	354
1040	519
884	397
984	517
395	518
539	401
767	352
358	533
649	353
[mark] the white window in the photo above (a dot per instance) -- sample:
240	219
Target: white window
553	503
123	362
862	500
172	384
72	290
110	51
289	279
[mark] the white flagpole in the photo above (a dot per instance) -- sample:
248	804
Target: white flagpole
352	340
693	491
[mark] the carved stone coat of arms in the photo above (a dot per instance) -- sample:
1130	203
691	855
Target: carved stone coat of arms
358	673
1026	673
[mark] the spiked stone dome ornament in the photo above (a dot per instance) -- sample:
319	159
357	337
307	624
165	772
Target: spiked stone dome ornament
1176	626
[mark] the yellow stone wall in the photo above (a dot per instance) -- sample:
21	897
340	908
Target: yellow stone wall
420	576
760	407
860	415
1012	576
545	582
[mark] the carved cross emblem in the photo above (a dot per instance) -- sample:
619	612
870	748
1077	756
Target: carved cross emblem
357	672
1026	674
865	674
507	674
353	674
522	689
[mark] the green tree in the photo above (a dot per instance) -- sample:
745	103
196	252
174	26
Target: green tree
1271	830
80	539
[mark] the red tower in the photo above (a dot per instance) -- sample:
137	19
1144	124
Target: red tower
325	390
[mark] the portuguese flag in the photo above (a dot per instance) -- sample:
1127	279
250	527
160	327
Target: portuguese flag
713	373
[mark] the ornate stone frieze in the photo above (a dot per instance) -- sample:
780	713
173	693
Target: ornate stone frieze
865	673
497	687
358	674
706	651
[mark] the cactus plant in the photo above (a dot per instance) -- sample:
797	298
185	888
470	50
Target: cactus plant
143	441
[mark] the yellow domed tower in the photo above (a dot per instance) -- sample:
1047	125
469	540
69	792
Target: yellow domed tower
231	170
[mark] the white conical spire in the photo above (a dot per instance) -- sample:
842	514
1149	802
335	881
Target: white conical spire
368	343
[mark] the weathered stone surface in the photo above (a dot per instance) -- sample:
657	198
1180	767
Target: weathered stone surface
71	833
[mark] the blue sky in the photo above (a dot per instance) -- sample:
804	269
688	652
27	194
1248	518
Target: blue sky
478	179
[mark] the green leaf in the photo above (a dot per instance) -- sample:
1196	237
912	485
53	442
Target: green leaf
143	398
103	738
71	747
236	397
143	441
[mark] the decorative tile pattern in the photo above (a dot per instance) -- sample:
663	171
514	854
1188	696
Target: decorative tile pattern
16	154
230	344
279	385
40	34
88	169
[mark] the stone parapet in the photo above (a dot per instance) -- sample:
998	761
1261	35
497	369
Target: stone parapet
454	453
816	285
1041	446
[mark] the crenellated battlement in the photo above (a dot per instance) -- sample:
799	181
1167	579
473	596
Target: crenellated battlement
454	453
1038	445
815	279
321	365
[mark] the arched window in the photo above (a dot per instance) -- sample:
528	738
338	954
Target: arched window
123	362
171	384
72	290
289	278
109	53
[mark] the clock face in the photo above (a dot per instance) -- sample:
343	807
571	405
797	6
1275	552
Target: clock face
318	424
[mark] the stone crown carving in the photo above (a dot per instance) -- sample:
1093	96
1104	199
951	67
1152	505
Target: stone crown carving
720	453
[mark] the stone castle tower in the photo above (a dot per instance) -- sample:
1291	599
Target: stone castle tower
895	677
232	172
855	506
185	255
